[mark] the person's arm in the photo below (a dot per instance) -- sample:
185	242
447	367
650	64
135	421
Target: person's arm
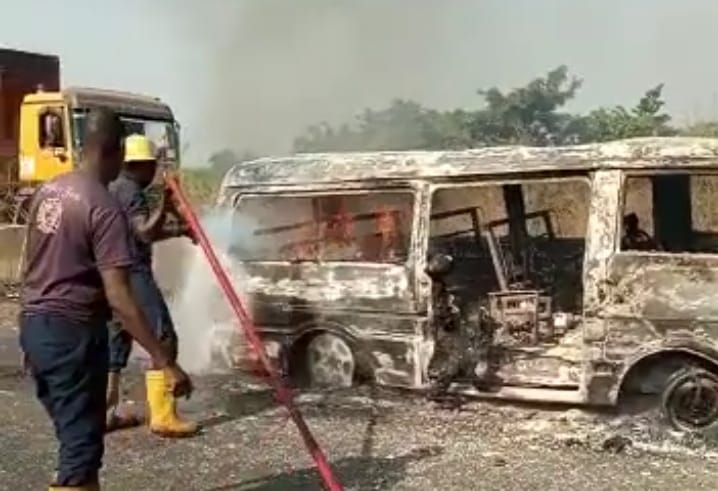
110	244
148	226
153	227
110	238
122	302
650	243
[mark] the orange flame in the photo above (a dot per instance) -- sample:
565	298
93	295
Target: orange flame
339	228
387	227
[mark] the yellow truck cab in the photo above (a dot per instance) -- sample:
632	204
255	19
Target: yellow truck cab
52	128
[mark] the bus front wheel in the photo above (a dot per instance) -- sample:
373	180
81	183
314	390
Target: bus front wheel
329	361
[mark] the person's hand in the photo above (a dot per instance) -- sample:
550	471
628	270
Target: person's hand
187	232
168	200
178	381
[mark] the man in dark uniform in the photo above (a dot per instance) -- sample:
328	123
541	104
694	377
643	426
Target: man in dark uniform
147	227
76	272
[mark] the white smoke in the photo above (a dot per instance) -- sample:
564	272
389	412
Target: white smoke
203	321
209	334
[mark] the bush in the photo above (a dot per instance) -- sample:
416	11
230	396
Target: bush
201	185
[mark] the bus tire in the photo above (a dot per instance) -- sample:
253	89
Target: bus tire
689	401
329	361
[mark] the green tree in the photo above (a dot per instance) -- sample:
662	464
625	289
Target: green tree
223	160
701	128
404	125
447	129
645	119
528	115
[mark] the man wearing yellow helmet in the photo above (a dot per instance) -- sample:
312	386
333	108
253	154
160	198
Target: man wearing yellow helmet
148	226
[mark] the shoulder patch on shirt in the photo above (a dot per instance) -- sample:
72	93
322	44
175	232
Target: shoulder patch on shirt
49	215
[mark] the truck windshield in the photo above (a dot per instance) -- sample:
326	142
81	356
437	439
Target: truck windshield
162	133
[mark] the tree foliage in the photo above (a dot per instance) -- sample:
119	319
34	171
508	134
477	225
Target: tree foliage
701	128
223	160
530	115
404	125
645	119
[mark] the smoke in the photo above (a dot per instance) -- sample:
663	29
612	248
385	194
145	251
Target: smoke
209	335
276	66
259	71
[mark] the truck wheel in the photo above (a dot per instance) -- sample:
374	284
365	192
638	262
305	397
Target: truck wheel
330	361
690	400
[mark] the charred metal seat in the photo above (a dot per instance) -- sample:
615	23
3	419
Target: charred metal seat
516	306
522	310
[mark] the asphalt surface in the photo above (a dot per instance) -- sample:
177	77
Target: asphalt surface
375	439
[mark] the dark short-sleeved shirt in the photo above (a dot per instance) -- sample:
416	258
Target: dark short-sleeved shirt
133	201
76	230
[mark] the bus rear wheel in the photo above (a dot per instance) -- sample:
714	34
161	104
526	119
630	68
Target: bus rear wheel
690	400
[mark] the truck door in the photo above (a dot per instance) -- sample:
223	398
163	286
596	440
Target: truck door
44	142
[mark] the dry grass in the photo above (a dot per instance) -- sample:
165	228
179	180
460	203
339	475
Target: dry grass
201	185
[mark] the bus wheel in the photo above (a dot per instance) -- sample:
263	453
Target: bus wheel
330	361
690	400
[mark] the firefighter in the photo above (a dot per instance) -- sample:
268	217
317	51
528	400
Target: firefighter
75	271
147	227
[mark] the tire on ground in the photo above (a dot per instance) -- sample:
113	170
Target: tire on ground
329	361
690	400
665	382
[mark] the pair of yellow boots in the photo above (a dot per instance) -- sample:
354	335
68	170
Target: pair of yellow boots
162	414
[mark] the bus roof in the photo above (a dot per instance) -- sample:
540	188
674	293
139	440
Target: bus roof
635	153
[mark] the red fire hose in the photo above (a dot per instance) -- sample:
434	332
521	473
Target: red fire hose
284	394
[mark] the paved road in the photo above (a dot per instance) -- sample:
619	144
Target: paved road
376	440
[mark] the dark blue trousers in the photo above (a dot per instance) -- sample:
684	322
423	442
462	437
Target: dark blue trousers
69	360
153	304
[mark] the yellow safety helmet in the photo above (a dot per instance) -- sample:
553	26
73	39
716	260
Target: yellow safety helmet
139	148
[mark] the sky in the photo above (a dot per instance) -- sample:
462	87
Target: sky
252	74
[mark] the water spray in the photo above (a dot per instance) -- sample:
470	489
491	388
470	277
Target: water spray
284	394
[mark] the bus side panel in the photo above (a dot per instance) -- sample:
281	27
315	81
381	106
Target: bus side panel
389	350
331	286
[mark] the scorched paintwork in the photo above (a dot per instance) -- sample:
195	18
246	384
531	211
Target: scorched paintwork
442	165
633	304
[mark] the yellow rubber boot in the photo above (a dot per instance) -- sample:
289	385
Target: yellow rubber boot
162	408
